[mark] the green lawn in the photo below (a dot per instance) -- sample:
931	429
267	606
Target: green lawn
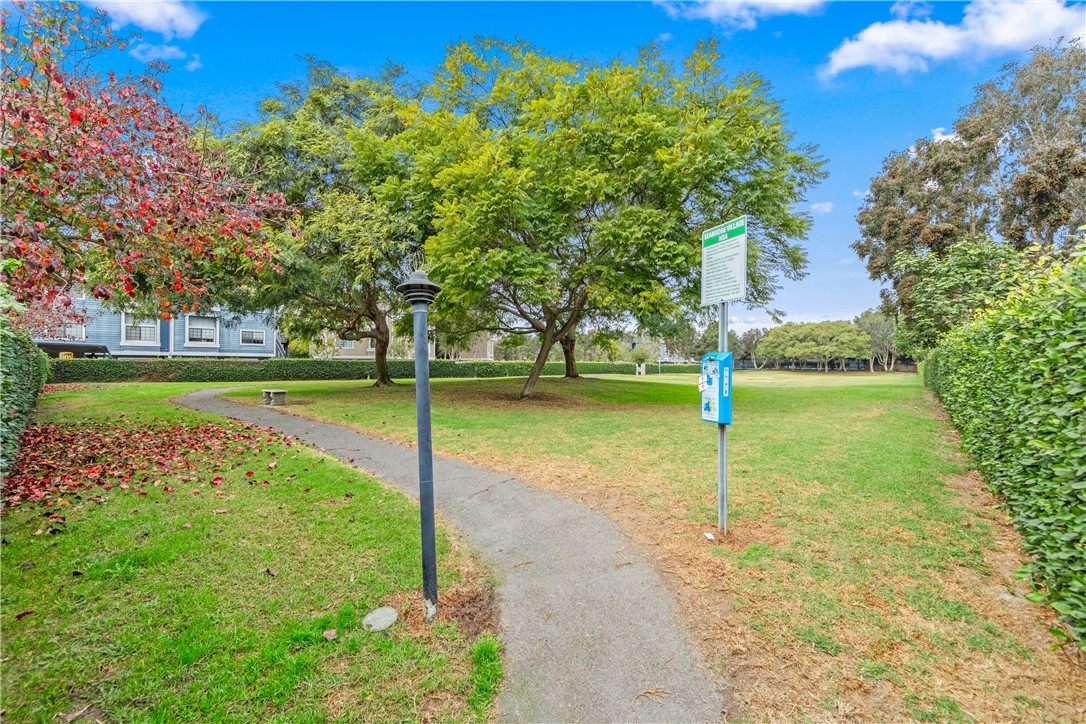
866	571
213	605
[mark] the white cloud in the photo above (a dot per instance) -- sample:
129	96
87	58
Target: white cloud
170	18
988	27
664	37
740	14
822	207
861	194
904	9
846	261
939	135
145	52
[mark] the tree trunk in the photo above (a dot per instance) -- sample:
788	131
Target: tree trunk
541	359
569	342
380	355
871	364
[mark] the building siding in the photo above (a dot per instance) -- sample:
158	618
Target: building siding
104	327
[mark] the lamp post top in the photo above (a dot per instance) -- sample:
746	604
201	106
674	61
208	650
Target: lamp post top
418	288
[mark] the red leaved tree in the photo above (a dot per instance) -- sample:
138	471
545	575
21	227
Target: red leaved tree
103	185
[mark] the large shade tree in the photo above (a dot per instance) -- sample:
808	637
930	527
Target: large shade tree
1014	169
563	191
337	274
104	186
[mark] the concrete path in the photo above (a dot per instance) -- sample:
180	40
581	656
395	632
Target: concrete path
589	625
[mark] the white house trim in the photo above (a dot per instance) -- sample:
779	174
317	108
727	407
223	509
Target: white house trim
216	355
139	343
190	343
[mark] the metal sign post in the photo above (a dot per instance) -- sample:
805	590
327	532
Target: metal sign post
420	292
723	280
722	440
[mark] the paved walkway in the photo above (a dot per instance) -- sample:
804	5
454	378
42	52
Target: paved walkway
589	625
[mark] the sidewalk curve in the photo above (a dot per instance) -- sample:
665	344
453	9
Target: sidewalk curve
589	625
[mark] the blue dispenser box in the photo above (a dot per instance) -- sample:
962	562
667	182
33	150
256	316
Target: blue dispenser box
715	384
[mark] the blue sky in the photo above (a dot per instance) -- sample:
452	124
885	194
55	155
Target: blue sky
859	79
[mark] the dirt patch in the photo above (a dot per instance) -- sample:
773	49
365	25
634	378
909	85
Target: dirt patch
340	702
474	609
85	713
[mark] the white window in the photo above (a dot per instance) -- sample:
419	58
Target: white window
72	331
138	331
345	343
371	344
202	331
252	336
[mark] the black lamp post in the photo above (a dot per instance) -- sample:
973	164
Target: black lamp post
420	292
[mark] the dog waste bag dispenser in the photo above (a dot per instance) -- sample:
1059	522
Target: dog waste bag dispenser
715	384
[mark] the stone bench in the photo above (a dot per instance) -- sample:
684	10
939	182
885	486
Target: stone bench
275	397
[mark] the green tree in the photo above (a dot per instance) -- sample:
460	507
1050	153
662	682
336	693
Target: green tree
822	342
709	341
1031	120
563	191
512	346
677	333
879	328
1013	167
946	292
337	274
781	343
747	345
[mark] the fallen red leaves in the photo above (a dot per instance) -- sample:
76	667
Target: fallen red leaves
56	460
65	387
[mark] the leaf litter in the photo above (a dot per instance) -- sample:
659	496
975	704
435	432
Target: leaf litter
60	460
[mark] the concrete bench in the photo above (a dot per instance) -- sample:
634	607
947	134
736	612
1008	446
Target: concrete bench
275	397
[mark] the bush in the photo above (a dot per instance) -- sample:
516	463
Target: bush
23	370
236	370
1014	382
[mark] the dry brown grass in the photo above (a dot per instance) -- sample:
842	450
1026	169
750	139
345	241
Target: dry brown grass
810	608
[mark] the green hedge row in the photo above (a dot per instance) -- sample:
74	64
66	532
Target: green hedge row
1014	382
671	369
233	370
23	370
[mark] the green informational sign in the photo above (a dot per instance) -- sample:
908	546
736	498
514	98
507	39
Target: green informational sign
724	262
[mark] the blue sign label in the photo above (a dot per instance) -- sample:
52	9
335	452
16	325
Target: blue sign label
715	384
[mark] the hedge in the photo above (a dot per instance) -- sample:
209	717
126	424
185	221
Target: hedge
236	370
23	370
1014	383
671	369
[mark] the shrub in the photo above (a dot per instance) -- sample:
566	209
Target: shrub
1014	382
236	370
23	370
